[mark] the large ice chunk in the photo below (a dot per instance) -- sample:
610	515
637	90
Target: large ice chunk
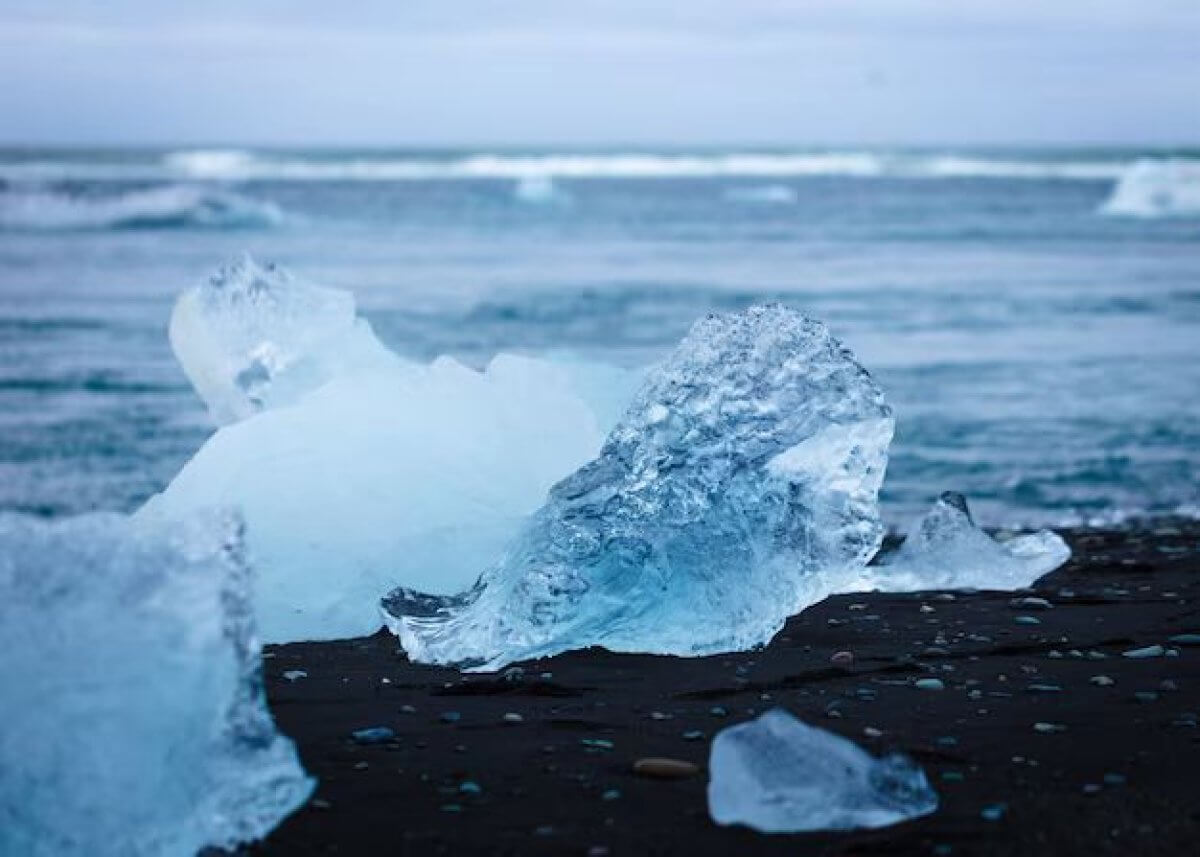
376	472
946	550
133	720
740	486
1157	188
254	337
777	774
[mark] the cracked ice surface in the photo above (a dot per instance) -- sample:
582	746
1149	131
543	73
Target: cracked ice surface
777	774
134	720
946	550
739	487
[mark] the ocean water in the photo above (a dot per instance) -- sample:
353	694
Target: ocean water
1034	316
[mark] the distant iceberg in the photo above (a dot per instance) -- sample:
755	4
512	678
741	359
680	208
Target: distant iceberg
1157	188
739	487
777	774
946	550
134	721
163	207
357	470
539	190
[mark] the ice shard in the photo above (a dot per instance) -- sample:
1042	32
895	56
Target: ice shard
134	721
946	550
357	470
254	337
739	487
777	774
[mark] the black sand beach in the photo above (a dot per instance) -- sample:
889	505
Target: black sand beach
1047	738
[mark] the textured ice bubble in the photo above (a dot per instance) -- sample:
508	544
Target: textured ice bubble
134	721
254	337
1157	188
946	550
739	487
377	471
777	774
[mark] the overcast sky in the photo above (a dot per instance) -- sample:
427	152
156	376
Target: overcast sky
414	72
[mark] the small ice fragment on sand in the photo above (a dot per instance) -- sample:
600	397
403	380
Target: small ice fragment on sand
777	774
294	675
946	550
695	532
134	721
1155	651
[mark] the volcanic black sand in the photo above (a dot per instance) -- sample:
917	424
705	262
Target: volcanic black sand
1046	739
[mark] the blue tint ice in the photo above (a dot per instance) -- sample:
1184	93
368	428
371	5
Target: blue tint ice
254	337
357	470
946	550
777	774
134	722
739	487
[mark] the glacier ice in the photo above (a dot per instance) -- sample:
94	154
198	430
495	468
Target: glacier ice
355	469
777	774
255	337
134	722
740	486
946	550
1153	188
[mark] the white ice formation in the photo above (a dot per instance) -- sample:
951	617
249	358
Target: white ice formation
355	469
739	487
1157	188
134	723
777	774
946	550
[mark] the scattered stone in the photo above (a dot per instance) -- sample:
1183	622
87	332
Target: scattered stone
929	684
993	812
1048	728
665	769
373	735
1155	651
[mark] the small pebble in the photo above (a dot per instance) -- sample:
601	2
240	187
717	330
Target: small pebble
665	769
1155	651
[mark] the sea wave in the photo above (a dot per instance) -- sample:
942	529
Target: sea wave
161	207
247	165
1157	188
770	194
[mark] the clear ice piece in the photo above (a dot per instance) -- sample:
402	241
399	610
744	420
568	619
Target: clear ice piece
777	774
134	723
255	337
946	550
388	471
739	487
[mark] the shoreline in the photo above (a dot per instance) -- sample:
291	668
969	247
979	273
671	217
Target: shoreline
1111	768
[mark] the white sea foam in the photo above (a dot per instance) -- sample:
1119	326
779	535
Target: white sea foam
246	165
1157	188
771	194
157	207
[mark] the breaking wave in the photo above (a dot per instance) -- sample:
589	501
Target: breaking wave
168	206
247	165
1157	188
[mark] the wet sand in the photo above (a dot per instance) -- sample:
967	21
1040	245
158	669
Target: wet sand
1046	738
